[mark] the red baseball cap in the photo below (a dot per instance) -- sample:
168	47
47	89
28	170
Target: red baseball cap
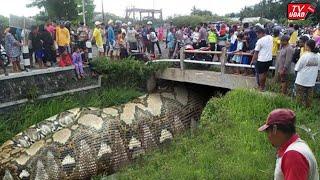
279	116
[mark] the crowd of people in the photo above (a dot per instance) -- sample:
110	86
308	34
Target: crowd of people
289	49
264	46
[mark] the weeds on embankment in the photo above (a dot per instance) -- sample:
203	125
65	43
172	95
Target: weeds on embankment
227	144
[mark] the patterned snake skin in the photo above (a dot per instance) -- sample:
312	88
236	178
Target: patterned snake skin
80	143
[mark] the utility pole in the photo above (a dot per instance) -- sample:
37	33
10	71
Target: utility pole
83	12
103	18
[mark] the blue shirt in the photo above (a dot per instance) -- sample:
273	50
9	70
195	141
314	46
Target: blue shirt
111	36
170	40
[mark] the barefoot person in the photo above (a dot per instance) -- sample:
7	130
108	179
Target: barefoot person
283	63
295	159
262	56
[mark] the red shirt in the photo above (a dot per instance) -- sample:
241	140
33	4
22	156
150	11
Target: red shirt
293	164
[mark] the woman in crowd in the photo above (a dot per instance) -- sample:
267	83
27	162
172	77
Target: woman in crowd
195	38
48	45
13	49
307	67
37	46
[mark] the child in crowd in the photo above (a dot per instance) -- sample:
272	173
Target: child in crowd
65	59
237	58
77	62
119	41
283	63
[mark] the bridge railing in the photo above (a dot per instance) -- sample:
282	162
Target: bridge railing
223	63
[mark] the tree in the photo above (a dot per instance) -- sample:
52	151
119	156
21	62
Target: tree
64	9
199	12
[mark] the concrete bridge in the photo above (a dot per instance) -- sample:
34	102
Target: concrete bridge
220	77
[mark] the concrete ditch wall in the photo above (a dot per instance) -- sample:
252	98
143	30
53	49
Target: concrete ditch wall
40	84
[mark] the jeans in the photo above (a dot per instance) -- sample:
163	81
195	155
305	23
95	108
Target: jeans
152	47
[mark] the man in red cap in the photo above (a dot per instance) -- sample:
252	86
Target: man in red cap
295	160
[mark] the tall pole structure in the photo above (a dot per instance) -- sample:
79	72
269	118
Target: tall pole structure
103	18
83	12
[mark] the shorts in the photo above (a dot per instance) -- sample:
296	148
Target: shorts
39	54
219	47
82	45
245	60
61	49
263	67
212	46
101	49
116	52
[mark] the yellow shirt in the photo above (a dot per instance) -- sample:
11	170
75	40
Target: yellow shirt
302	51
276	45
293	38
97	37
62	36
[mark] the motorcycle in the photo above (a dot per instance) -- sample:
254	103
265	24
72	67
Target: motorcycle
4	60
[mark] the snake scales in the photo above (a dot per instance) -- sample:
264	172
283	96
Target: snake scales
82	142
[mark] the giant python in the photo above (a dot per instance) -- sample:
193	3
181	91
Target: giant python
83	142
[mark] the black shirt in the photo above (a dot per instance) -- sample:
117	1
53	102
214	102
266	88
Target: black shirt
36	41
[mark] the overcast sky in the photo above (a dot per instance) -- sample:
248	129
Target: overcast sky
170	7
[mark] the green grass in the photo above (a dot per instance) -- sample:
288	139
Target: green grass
20	119
227	144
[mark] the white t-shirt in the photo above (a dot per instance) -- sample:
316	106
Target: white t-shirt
264	46
308	68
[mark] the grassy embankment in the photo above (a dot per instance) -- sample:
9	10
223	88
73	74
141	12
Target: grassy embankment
227	144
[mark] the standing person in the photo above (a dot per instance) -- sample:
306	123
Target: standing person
111	38
77	62
104	40
160	33
131	38
237	58
168	31
295	159
283	63
31	51
276	44
48	46
83	35
233	43
170	42
37	45
294	36
13	49
212	38
62	39
316	35
195	38
154	41
203	35
262	57
307	67
98	38
51	29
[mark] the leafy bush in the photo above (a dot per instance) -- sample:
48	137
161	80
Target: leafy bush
227	144
127	72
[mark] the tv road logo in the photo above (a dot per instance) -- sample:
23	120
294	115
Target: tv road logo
299	11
